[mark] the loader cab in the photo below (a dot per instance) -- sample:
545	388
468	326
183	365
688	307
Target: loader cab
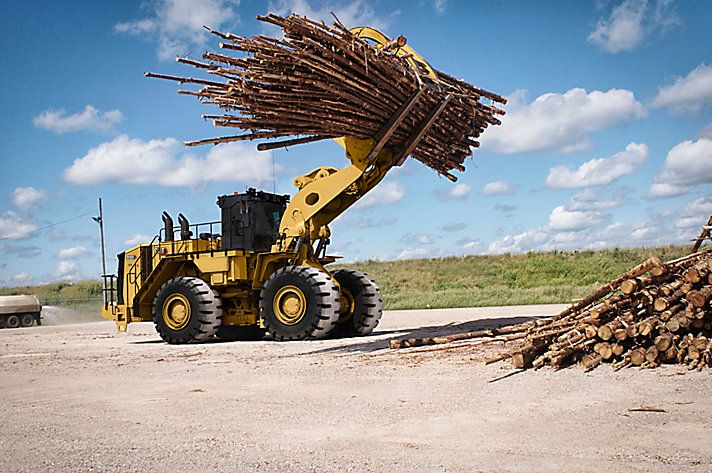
250	221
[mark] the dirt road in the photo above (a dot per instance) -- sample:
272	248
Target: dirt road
83	398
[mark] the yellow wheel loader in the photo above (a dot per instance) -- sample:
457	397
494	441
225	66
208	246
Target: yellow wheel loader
264	270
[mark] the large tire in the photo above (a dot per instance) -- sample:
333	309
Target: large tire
299	302
233	333
27	320
361	303
12	321
186	310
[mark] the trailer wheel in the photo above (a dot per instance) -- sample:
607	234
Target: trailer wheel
12	321
27	320
361	303
186	310
299	302
235	333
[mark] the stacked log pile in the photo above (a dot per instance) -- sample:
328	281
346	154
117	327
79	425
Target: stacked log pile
655	313
319	82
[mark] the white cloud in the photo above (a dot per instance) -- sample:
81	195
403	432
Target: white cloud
456	192
498	187
26	198
137	239
420	238
460	191
387	193
67	270
21	278
20	251
599	171
413	253
90	119
706	132
472	246
630	22
689	93
133	161
660	190
695	214
506	209
14	227
350	12
560	122
563	219
177	25
453	227
569	230
687	163
525	241
598	199
73	252
440	5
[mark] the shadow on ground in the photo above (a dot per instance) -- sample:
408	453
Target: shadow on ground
376	341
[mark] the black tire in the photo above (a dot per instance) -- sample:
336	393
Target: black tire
27	320
194	296
317	311
361	305
234	333
2	321
12	321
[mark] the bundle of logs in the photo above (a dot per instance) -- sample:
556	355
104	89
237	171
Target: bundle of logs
319	82
655	313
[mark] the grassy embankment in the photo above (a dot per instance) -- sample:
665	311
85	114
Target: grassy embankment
471	281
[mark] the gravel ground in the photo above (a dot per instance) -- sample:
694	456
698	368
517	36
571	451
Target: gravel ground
84	398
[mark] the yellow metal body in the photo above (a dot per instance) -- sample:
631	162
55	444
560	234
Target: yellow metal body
237	275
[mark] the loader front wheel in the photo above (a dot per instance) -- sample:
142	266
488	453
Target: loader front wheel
186	310
299	302
361	303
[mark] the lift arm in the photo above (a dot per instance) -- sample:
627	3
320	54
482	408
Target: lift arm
326	192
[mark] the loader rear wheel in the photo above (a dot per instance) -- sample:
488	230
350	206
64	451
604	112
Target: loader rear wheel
12	321
361	303
236	333
27	320
186	310
299	302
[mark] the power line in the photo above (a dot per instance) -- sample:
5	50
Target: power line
20	235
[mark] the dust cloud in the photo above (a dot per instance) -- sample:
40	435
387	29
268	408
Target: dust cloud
70	314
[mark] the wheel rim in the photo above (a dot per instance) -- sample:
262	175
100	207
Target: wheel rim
176	311
347	305
290	305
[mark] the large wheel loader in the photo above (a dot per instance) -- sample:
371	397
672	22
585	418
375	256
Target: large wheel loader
265	270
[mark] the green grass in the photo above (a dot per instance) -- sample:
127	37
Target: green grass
61	293
532	278
471	281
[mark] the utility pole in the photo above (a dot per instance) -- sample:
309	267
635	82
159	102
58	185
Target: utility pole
100	221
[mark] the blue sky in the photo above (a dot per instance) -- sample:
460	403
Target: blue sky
607	140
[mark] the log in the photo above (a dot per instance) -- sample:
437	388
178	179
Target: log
637	356
699	298
612	286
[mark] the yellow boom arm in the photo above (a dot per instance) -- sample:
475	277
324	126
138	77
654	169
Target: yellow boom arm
326	192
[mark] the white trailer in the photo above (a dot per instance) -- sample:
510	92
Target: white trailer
20	311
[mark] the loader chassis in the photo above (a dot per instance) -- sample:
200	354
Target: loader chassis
265	271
